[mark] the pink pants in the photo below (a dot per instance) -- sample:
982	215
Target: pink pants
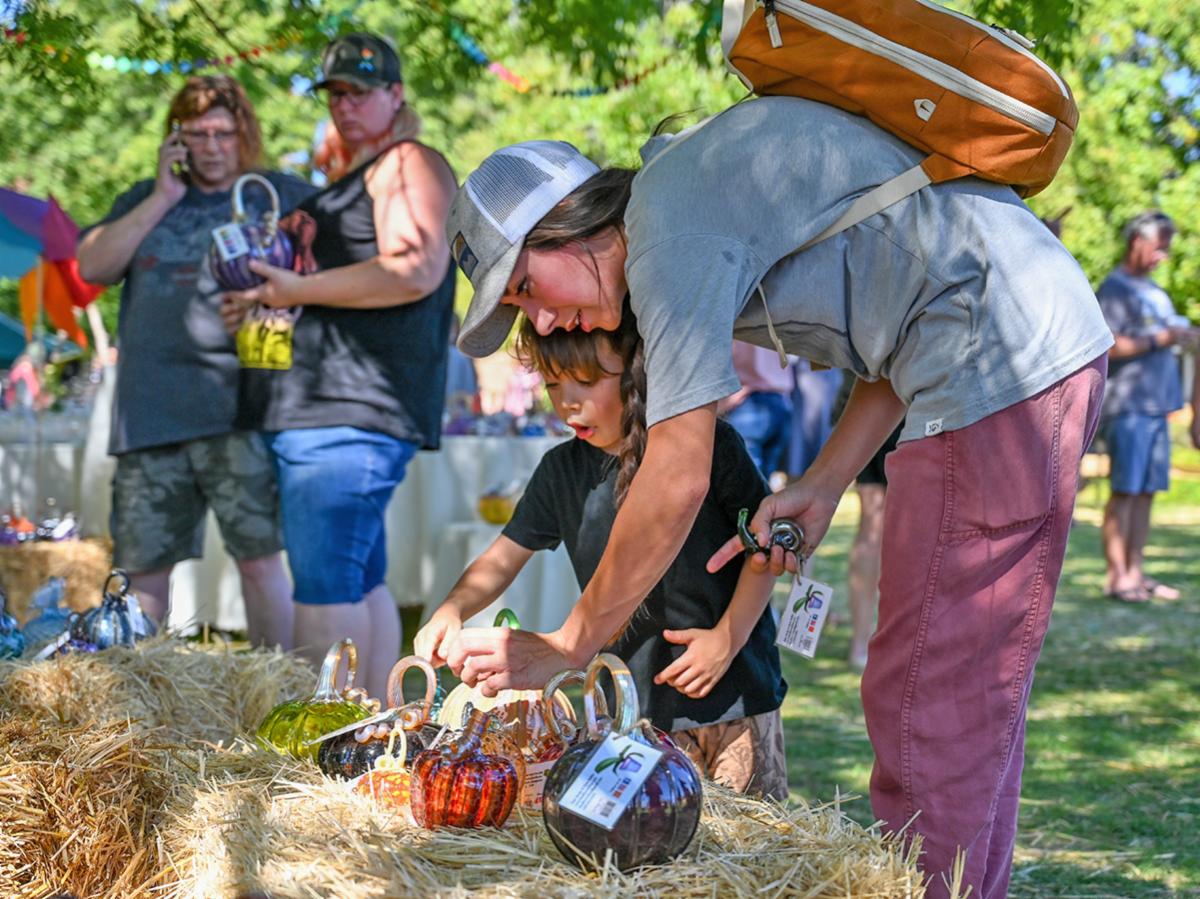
975	531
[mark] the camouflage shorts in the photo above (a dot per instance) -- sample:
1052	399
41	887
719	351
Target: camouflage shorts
745	754
161	497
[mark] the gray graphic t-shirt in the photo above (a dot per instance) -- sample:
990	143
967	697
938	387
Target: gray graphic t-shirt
958	294
1147	384
177	371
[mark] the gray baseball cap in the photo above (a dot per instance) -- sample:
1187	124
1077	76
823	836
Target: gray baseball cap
495	210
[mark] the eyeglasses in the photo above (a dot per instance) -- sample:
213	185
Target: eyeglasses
197	137
353	97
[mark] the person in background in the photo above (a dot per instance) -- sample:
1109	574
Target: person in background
862	575
462	383
1143	389
761	411
366	339
812	414
178	451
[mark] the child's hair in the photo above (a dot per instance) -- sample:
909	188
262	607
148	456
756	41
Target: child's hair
573	354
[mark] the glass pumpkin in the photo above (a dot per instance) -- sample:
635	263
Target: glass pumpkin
118	620
389	782
462	783
12	641
352	754
264	240
52	618
520	710
660	820
291	727
496	505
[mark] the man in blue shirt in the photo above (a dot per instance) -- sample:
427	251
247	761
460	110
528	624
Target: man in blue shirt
1143	389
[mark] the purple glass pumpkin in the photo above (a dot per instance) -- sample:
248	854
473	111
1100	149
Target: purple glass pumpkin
661	819
230	256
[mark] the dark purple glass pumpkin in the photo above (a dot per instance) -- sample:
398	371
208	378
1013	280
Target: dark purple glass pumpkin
264	240
659	822
352	754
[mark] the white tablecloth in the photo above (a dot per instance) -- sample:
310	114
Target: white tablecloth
434	531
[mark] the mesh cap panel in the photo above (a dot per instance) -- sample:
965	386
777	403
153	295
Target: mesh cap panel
515	186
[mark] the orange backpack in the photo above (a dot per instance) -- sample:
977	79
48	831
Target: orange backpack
970	95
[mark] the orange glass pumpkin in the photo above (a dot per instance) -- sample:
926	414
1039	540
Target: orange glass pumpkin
462	784
389	782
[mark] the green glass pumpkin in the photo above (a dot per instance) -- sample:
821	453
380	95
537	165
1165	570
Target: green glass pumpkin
352	754
289	727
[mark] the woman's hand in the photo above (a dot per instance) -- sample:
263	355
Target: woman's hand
167	184
500	658
705	661
807	503
434	640
233	312
282	289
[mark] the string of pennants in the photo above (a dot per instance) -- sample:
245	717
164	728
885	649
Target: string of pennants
472	50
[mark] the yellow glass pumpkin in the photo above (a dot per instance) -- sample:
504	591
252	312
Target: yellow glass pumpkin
519	710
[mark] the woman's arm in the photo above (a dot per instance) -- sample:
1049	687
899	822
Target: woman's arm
650	528
412	187
483	581
105	252
872	413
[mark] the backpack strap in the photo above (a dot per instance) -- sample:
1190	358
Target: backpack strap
875	200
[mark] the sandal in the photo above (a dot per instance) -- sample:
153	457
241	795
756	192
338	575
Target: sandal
1158	590
1133	595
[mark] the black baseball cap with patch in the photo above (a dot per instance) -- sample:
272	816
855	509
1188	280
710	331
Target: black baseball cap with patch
364	60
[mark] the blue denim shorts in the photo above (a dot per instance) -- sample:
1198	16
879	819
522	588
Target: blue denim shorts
1140	449
334	488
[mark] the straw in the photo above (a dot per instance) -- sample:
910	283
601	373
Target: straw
132	774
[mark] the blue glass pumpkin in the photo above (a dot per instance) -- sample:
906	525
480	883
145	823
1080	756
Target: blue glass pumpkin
262	240
52	618
12	641
118	620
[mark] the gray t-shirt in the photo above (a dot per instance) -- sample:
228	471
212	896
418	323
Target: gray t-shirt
959	294
1147	384
177	374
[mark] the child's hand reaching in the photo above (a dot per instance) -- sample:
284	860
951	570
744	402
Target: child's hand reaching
434	640
702	664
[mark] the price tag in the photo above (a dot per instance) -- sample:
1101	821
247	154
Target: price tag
804	616
535	783
231	242
611	778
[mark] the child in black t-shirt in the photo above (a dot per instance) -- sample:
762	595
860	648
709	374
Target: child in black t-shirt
701	646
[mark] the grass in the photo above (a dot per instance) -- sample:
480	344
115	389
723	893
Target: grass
1111	799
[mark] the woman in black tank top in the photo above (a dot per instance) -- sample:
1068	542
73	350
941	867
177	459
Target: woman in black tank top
344	369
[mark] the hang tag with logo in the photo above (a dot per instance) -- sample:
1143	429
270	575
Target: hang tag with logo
535	783
804	616
231	242
611	778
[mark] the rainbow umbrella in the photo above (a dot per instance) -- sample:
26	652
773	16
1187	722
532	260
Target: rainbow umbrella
37	245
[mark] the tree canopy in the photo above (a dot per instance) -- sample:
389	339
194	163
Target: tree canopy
89	82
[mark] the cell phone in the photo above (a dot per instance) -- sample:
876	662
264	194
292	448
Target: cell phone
181	170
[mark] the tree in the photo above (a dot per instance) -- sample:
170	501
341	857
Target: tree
87	132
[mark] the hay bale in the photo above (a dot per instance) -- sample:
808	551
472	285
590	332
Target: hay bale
186	692
78	811
251	824
83	564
